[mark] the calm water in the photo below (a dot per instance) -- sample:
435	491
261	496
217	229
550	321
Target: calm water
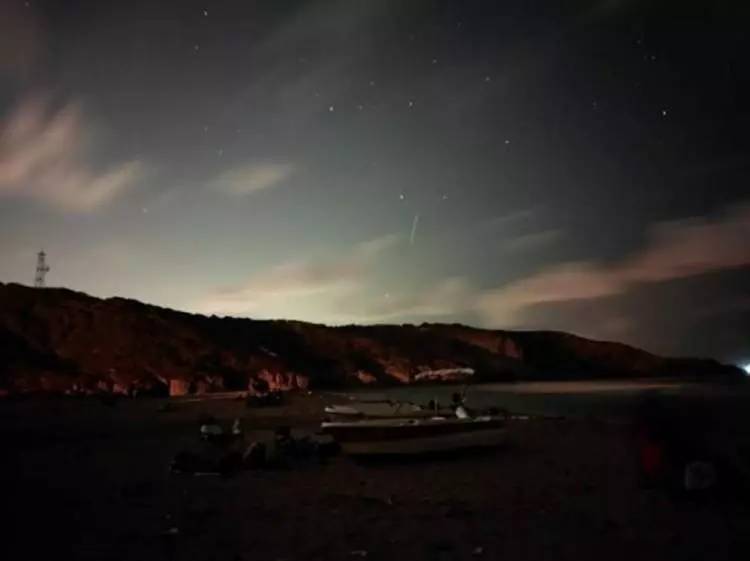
607	399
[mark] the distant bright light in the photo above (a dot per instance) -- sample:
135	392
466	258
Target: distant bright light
747	368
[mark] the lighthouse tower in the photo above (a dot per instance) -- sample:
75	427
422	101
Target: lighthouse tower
41	269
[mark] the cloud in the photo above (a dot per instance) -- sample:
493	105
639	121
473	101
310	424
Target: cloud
252	178
41	159
275	292
571	281
675	250
691	247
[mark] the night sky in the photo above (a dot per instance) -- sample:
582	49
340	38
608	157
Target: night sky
571	165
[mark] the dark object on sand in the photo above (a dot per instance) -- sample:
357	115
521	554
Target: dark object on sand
269	399
284	450
212	432
217	434
262	395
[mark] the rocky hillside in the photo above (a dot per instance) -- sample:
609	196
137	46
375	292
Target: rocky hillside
60	340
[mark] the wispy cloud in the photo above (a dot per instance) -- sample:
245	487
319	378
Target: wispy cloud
273	292
675	250
340	289
691	247
570	281
42	158
252	178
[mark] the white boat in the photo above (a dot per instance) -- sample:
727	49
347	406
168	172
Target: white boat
378	410
379	406
416	436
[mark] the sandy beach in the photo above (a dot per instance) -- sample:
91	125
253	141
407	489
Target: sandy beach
86	480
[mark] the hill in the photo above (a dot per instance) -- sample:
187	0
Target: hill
65	341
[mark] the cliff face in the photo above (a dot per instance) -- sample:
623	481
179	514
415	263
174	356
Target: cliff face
60	340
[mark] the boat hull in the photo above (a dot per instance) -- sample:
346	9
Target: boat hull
379	411
415	437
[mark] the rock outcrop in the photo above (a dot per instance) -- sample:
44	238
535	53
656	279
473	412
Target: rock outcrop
63	341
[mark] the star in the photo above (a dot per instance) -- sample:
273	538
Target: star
205	13
144	210
663	112
331	108
372	83
507	141
434	61
196	47
487	78
205	128
220	152
411	103
444	197
402	196
360	107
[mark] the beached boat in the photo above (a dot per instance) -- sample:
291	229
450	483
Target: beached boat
379	406
416	436
378	410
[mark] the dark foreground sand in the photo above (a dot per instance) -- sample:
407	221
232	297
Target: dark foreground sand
83	480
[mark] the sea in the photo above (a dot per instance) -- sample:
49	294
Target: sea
609	399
